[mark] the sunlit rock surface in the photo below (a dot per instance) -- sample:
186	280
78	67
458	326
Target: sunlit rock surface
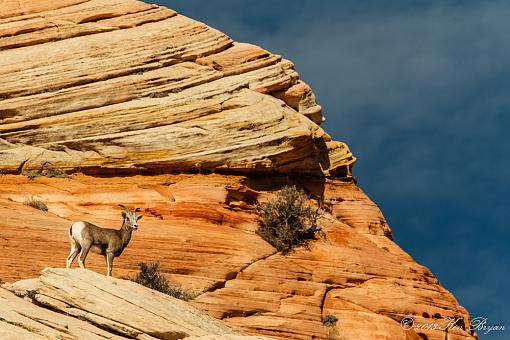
202	230
100	85
81	304
167	114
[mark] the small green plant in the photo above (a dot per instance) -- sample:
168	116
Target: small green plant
329	320
34	174
55	173
158	94
36	203
289	220
32	294
150	277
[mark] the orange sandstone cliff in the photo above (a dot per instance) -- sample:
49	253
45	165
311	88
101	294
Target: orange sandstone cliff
149	108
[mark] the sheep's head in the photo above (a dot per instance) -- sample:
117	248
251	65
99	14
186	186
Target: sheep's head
130	217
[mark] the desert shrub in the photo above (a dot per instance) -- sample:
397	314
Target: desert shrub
55	173
158	94
329	320
36	203
289	220
34	174
47	173
150	277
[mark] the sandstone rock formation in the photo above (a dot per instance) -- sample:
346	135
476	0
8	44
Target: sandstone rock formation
99	307
100	84
201	228
152	109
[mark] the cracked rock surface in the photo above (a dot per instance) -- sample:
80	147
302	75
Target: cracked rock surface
81	304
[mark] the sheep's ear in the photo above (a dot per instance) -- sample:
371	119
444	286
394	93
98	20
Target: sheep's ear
138	218
123	213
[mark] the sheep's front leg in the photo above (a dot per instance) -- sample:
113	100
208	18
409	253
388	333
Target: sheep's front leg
109	263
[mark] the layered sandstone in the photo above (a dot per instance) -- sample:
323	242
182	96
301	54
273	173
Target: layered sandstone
100	85
202	229
80	304
152	109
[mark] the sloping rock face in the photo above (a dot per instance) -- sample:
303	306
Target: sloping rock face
99	307
99	85
152	109
202	230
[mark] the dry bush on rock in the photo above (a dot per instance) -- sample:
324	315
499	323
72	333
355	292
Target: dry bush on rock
150	277
289	220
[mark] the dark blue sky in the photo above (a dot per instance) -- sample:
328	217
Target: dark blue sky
420	90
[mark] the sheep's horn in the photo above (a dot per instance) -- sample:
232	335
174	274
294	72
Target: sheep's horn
123	207
138	209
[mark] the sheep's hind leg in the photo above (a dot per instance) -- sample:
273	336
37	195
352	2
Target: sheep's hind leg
75	250
83	255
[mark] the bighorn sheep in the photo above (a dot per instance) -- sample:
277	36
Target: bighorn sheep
109	242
